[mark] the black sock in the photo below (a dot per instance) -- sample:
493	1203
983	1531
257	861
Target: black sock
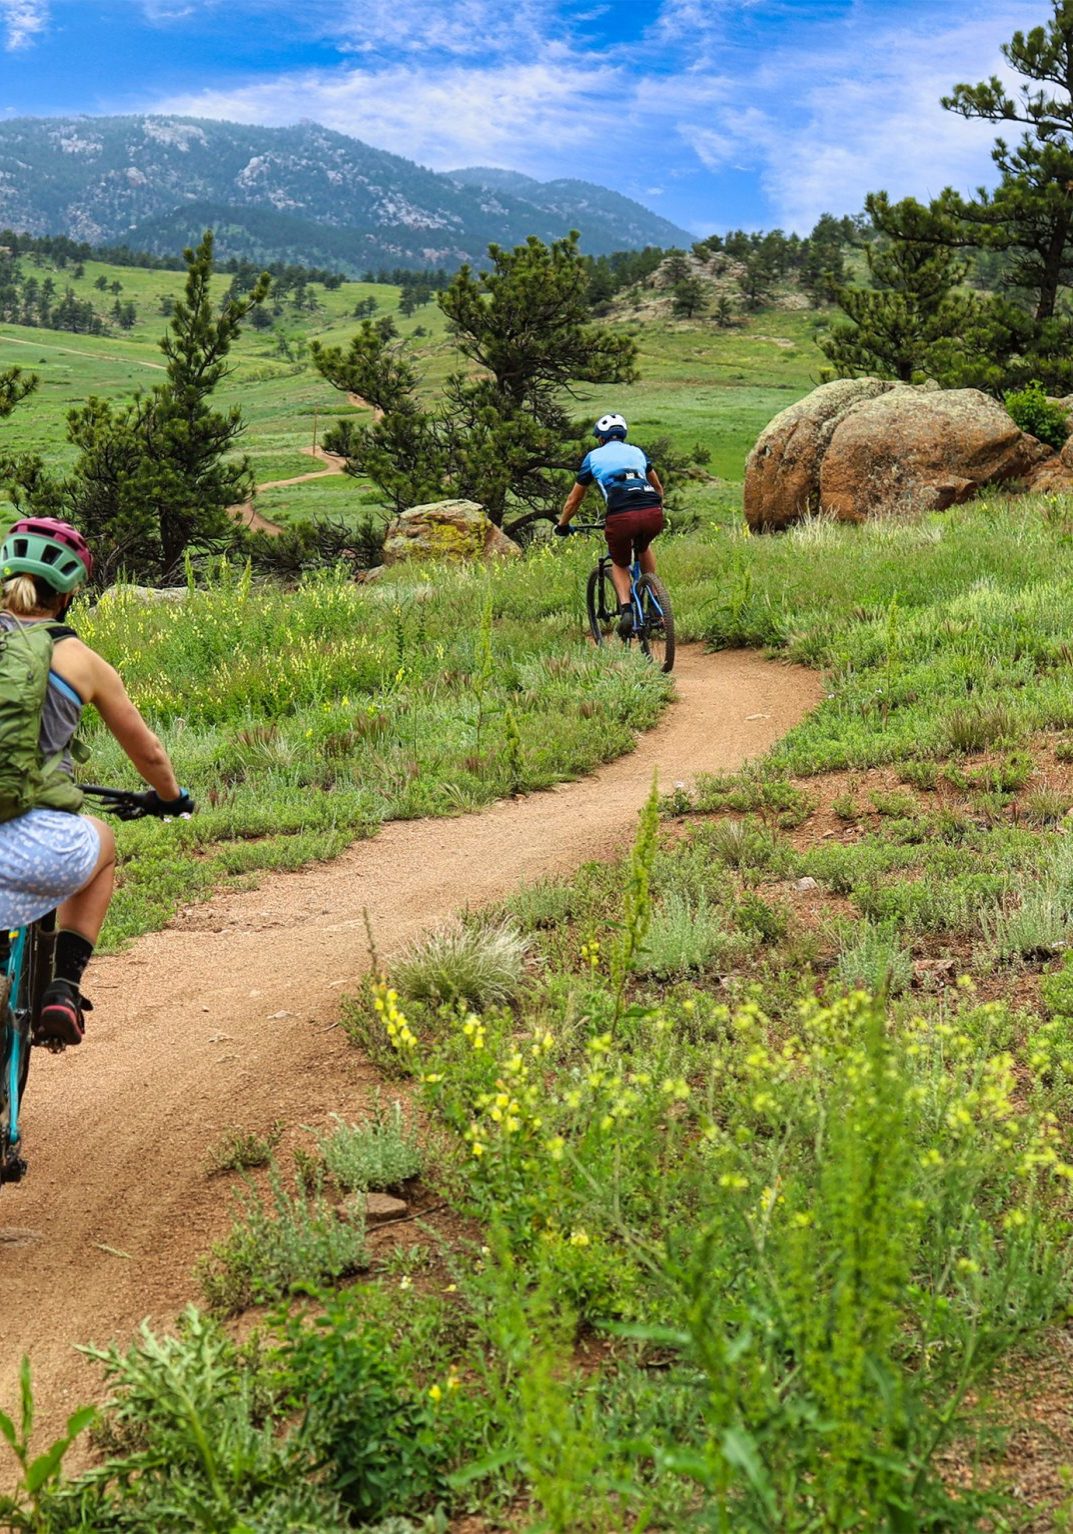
73	953
625	607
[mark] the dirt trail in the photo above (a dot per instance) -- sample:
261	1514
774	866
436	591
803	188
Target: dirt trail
250	517
225	1018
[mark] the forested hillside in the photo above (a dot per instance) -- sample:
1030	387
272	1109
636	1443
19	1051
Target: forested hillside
283	194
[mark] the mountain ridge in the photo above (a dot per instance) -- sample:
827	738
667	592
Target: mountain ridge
140	179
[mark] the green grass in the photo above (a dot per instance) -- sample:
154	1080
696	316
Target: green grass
303	720
938	635
740	1251
703	385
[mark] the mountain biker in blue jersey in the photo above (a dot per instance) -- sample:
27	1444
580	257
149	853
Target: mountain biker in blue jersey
633	505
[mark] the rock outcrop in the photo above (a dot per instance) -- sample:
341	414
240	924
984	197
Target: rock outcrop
457	530
782	473
144	593
867	447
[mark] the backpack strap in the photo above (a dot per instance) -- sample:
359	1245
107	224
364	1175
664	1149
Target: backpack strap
61	631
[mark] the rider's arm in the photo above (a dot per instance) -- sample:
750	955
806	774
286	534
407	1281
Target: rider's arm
653	480
571	504
110	700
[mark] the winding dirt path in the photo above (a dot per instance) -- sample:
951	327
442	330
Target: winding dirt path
226	1018
250	517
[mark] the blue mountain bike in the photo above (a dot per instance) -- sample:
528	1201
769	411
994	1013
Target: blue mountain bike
653	616
23	978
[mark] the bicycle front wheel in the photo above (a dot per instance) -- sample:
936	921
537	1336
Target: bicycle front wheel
601	604
656	634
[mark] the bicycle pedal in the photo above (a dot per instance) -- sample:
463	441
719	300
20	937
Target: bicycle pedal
54	1046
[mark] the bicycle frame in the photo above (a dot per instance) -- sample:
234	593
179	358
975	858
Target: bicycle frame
27	955
27	972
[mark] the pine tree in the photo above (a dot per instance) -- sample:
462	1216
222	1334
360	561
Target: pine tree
912	302
689	297
497	438
15	385
152	476
1030	213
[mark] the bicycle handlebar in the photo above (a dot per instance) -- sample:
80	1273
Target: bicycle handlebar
125	804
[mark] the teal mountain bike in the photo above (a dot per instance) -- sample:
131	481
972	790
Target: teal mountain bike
23	978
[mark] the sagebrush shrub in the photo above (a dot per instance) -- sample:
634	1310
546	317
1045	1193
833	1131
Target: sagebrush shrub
683	936
873	959
288	1239
380	1153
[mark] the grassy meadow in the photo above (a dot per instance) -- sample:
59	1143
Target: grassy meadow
699	384
741	1164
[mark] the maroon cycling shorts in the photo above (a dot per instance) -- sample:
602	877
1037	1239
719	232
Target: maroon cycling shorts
628	531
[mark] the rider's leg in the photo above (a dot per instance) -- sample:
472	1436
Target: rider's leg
619	531
84	911
647	561
620	574
79	921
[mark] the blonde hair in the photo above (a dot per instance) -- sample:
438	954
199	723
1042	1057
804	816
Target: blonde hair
24	594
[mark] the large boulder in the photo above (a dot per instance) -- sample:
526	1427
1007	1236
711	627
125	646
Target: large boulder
882	450
457	530
782	473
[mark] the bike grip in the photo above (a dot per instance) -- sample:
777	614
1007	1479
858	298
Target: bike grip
562	530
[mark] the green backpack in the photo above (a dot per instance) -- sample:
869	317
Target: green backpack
27	782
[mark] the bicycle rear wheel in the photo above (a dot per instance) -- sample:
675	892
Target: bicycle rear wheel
601	604
656	634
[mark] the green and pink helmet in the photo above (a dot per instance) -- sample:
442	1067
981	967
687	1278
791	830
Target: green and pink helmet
47	547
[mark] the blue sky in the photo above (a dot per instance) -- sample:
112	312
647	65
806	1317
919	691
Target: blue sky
716	113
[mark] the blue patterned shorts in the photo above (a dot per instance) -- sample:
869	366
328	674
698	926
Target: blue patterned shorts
45	855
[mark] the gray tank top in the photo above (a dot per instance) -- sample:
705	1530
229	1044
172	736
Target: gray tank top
63	706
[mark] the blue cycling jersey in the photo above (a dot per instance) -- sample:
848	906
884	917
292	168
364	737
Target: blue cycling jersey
613	463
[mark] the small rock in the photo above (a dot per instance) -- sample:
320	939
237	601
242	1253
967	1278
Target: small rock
381	1207
934	971
805	884
274	1017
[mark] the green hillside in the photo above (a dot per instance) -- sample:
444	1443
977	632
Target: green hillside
699	384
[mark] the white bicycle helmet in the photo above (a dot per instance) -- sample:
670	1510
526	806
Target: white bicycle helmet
611	426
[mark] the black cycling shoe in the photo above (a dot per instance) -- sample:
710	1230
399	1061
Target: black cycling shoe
60	1021
625	621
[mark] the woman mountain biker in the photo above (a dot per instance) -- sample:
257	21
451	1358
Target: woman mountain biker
633	504
58	858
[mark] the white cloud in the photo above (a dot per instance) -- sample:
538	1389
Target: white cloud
464	28
23	20
819	111
857	112
524	115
